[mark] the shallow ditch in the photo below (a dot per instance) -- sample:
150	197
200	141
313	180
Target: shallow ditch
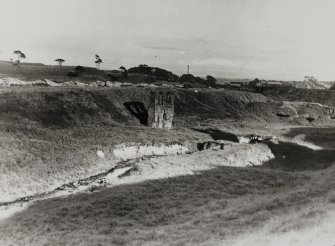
126	155
147	155
131	154
90	184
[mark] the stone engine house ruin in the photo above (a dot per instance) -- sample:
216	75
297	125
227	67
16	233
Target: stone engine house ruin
157	111
161	109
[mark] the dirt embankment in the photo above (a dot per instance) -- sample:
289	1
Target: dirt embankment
139	163
18	180
67	107
325	97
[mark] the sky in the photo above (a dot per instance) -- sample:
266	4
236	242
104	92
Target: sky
269	39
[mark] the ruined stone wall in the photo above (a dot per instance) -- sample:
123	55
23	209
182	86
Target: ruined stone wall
330	112
161	109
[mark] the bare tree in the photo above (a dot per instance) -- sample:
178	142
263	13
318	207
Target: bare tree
60	61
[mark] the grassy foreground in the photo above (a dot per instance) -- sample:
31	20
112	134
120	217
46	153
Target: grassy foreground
206	208
190	209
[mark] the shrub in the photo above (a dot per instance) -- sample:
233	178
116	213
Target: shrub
72	74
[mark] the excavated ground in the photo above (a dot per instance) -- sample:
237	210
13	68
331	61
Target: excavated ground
86	171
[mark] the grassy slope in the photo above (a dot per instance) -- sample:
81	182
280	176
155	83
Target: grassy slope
65	107
49	136
47	132
210	206
33	71
320	136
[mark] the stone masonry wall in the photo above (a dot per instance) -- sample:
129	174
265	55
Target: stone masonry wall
161	109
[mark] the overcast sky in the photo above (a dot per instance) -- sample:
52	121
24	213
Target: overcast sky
271	39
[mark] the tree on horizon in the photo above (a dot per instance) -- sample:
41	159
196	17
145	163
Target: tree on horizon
124	71
20	55
60	61
210	80
98	61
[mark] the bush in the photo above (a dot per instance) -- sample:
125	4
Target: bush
72	74
154	72
190	78
113	77
79	69
210	80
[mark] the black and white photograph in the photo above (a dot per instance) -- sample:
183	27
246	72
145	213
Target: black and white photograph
167	123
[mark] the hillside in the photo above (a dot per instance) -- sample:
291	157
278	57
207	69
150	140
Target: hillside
79	106
32	71
38	71
70	124
325	97
52	137
65	107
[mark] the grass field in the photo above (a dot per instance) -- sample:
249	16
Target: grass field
38	71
